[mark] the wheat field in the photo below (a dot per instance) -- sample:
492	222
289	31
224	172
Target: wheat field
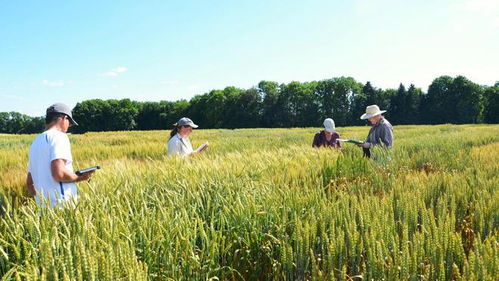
261	204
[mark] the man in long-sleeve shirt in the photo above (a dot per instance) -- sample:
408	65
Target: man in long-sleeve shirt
381	132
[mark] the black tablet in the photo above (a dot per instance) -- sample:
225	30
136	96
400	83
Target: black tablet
87	170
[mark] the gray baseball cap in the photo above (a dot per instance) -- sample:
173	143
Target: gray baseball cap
62	108
186	122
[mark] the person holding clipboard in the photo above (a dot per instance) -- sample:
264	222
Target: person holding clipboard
381	132
50	170
179	143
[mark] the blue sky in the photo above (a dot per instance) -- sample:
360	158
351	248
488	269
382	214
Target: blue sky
70	51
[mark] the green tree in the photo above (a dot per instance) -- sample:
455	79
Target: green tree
371	94
246	110
172	112
359	103
149	117
297	105
404	105
412	103
4	122
453	100
35	125
122	114
438	104
468	101
90	115
491	111
212	110
109	115
196	110
15	122
335	98
283	115
269	91
216	105
398	105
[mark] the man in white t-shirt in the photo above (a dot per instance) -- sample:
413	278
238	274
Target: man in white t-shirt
50	171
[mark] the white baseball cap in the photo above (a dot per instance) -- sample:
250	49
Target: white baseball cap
329	125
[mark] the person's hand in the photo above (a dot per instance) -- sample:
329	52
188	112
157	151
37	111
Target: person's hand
30	186
195	152
85	176
365	145
206	146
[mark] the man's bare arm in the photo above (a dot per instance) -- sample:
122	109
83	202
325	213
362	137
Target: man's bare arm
61	174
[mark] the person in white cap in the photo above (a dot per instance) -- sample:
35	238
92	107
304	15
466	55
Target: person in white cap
50	172
381	133
327	137
179	143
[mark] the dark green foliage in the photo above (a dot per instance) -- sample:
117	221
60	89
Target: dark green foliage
467	100
109	115
412	103
453	100
270	93
155	116
335	98
404	105
397	106
491	112
17	123
296	104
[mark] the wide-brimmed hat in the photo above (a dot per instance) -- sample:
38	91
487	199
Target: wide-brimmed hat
186	122
61	108
371	111
329	125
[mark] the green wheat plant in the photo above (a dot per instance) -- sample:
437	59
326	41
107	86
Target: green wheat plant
261	204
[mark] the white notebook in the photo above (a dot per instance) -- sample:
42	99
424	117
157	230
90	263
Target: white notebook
202	147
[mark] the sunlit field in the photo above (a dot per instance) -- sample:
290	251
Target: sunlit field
261	204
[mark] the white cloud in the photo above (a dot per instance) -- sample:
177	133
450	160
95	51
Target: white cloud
58	83
115	71
110	74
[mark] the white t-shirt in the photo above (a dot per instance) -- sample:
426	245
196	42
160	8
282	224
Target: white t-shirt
48	146
178	145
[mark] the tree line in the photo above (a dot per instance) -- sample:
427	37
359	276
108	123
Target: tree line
269	104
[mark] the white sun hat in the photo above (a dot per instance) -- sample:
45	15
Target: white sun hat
329	125
371	111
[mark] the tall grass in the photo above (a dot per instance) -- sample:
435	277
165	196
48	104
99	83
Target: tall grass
261	204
